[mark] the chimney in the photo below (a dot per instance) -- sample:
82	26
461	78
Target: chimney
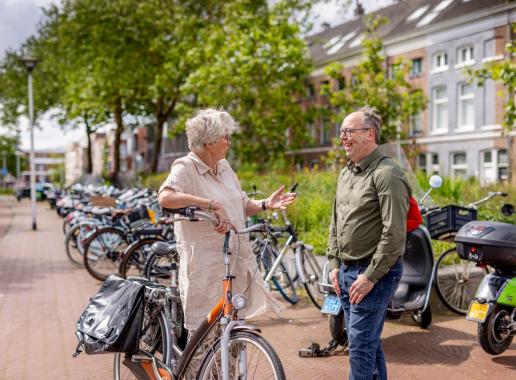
359	9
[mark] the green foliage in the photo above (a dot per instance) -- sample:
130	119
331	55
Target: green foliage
505	72
8	150
372	83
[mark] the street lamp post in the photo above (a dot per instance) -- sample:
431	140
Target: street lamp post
30	64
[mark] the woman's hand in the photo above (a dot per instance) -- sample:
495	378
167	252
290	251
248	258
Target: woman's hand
280	200
223	224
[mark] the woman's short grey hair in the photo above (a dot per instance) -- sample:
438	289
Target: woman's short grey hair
372	119
207	126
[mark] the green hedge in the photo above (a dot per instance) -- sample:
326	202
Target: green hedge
312	210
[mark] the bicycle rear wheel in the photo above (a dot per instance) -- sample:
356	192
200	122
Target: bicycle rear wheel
154	342
457	280
250	357
103	252
312	271
135	256
157	268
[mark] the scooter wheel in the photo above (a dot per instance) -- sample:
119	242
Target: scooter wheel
423	319
493	334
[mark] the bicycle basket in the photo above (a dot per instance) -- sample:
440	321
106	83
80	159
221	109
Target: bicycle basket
448	220
138	214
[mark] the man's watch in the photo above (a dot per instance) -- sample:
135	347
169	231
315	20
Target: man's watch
264	205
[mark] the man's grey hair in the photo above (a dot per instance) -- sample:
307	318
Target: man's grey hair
372	119
207	126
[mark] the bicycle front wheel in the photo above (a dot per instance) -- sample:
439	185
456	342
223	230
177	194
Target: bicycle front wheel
136	255
103	252
457	280
250	357
312	272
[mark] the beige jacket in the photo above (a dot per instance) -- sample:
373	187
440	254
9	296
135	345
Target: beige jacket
201	268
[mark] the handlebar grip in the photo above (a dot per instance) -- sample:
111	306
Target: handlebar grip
294	187
504	194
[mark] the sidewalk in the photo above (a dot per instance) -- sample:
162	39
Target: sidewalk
42	295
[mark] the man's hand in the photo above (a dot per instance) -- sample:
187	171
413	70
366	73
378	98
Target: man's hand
334	277
360	288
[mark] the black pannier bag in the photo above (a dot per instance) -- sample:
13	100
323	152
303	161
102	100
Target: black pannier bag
112	321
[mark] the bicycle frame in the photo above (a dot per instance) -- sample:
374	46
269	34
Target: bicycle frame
224	313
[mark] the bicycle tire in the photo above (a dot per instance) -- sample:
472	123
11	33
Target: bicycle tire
100	249
268	368
135	256
281	278
312	270
152	342
72	246
457	283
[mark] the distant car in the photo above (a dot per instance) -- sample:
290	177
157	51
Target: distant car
41	189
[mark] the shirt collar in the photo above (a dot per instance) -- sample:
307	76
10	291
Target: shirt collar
364	164
201	166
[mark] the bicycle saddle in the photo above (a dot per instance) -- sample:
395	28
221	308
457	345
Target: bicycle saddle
161	248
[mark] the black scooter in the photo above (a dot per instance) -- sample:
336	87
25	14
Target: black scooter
494	305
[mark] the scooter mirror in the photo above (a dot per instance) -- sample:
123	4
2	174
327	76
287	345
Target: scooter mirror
507	209
435	181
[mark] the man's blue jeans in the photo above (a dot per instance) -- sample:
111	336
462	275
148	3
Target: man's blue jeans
364	321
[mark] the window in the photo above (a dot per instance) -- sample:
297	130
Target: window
416	123
311	130
393	70
465	56
324	87
417	13
466	117
440	110
441	61
435	163
417	67
421	163
459	167
430	16
310	91
503	165
341	83
325	138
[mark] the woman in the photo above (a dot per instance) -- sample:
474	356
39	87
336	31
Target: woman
205	179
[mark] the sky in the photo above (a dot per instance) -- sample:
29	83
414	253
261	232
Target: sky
19	20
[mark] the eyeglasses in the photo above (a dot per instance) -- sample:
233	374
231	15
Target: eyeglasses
349	131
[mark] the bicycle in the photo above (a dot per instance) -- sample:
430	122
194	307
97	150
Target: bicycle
239	348
270	256
456	280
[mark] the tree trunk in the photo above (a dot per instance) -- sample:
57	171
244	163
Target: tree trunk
118	134
161	117
89	161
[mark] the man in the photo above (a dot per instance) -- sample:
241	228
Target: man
367	239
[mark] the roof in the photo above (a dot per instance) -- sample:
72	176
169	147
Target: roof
405	17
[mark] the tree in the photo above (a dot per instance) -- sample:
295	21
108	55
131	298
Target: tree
8	146
257	73
505	72
377	85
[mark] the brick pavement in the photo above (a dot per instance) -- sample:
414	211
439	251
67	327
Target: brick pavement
42	295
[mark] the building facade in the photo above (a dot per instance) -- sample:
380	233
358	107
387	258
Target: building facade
459	133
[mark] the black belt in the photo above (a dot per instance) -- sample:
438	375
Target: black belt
358	263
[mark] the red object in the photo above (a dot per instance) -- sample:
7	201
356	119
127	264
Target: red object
414	218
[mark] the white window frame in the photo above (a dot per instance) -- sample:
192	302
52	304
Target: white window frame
502	165
455	167
419	116
461	99
438	67
488	167
434	168
469	61
436	103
